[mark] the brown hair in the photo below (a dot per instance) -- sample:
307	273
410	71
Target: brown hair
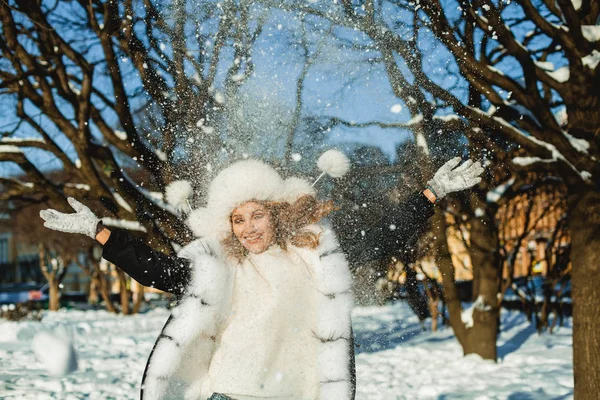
288	222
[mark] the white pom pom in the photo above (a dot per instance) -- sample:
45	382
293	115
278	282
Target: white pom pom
178	193
334	163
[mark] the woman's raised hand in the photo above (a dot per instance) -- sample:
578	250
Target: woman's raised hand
82	221
452	178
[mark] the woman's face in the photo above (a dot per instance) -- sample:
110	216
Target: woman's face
251	225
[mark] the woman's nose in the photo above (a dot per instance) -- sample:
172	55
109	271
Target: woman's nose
251	226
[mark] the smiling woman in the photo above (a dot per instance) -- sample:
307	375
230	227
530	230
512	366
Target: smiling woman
264	292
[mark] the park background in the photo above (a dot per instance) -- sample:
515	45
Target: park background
109	101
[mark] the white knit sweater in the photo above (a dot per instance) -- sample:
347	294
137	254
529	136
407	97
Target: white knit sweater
267	349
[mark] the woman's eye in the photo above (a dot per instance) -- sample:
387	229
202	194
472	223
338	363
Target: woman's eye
238	221
258	216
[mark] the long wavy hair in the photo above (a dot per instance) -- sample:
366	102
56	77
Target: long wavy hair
288	222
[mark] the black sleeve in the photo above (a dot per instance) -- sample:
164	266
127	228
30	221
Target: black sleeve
411	216
406	222
147	266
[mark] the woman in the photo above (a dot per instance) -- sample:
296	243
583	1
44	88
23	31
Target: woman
265	293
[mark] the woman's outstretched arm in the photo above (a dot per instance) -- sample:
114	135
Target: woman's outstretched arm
410	217
147	266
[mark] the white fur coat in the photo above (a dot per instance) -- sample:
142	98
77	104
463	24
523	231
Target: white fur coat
178	365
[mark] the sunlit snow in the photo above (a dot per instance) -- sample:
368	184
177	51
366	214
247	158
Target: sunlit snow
592	59
591	32
560	75
395	359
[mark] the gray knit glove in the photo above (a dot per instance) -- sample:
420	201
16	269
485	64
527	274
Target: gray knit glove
449	179
83	221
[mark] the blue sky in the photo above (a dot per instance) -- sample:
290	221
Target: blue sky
337	85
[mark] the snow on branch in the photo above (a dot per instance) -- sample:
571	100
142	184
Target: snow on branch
525	161
121	135
581	145
496	193
533	145
561	75
592	59
123	224
121	201
22	142
447	118
78	186
10	149
157	199
467	314
12	187
417	119
591	32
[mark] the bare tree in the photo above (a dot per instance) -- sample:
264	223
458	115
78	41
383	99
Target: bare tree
102	88
98	278
518	64
54	268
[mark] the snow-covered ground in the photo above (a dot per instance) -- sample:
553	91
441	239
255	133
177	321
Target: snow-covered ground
395	360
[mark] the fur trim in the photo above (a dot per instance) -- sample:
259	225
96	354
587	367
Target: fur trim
330	367
153	388
165	350
208	282
334	316
335	391
213	222
195	318
333	325
294	188
333	276
242	181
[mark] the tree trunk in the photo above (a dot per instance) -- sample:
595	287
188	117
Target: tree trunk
50	272
487	266
53	294
433	303
444	262
584	223
123	291
94	289
100	277
139	298
416	300
481	337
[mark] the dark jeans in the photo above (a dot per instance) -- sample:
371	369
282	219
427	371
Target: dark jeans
217	396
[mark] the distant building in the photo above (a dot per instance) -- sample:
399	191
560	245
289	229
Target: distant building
18	263
526	221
